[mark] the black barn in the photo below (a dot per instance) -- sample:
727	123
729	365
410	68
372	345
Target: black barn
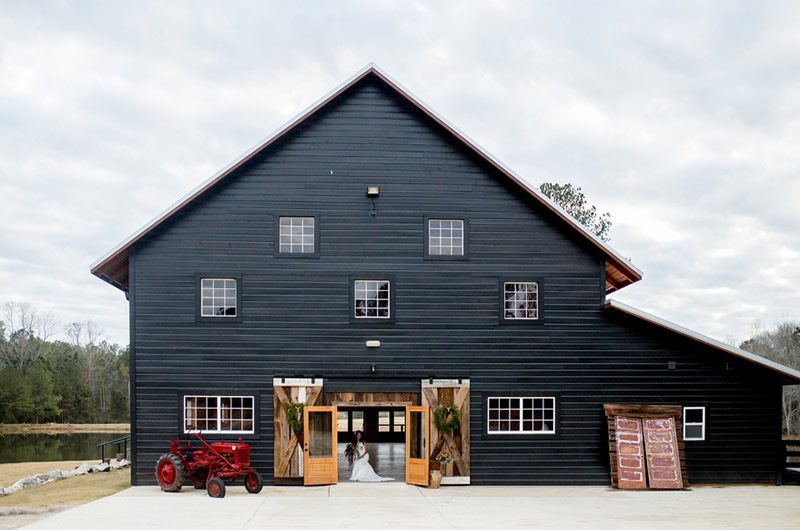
369	256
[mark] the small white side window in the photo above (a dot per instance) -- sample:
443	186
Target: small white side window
694	423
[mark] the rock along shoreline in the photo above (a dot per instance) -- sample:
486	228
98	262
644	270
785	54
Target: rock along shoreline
40	479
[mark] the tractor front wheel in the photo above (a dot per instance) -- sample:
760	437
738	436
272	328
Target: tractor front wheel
216	488
253	482
170	472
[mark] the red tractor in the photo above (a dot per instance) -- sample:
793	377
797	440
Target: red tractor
208	466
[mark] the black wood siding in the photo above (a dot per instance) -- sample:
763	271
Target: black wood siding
295	312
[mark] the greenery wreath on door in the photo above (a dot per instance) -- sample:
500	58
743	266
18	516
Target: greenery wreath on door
294	418
447	418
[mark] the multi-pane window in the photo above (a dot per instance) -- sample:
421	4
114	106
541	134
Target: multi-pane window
384	420
342	421
521	300
357	417
399	424
218	297
526	415
229	414
694	423
296	235
371	299
446	237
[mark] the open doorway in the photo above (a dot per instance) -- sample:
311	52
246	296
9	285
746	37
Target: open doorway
384	429
381	416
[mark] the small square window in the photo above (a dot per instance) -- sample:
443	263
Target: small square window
218	297
521	300
371	299
446	237
296	235
694	423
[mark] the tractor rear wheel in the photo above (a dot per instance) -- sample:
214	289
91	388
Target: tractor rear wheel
170	472
253	482
216	488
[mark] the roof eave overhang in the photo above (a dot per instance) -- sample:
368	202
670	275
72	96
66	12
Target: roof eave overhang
622	271
790	375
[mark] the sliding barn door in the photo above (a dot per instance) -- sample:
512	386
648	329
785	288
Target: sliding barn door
441	392
417	444
288	455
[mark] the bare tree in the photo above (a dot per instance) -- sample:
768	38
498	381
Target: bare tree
74	331
27	333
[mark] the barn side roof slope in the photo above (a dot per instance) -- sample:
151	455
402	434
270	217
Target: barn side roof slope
790	373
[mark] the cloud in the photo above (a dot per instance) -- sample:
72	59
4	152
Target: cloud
680	119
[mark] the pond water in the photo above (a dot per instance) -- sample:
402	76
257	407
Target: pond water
47	447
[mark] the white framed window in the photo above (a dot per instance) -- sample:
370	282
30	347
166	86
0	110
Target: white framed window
296	235
521	415
446	237
521	300
218	414
218	297
371	299
694	423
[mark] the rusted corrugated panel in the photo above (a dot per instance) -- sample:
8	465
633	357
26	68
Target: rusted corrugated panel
630	453
661	445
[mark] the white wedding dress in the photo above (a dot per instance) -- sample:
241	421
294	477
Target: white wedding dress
362	471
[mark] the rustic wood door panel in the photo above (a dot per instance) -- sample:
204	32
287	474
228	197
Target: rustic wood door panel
661	446
435	394
288	461
630	454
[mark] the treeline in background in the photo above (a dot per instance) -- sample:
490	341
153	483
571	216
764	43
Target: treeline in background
82	379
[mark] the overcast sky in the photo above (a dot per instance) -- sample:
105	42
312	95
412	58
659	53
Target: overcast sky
683	121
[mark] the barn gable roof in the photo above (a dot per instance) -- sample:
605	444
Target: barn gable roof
789	373
113	266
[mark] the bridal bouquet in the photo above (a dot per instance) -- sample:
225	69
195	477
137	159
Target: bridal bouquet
351	453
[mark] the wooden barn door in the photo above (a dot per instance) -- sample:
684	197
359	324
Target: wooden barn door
442	392
288	458
417	443
320	463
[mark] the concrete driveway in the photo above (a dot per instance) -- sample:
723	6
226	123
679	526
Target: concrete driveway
390	506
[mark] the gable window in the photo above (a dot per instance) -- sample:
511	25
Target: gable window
446	238
218	297
218	414
297	235
371	299
521	415
521	300
694	423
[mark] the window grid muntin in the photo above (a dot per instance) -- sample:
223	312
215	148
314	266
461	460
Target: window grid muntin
218	297
690	424
521	415
296	235
446	237
521	300
219	414
372	299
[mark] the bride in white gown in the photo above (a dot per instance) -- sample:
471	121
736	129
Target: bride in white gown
362	471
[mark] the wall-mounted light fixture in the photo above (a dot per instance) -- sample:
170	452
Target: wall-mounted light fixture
372	368
373	191
373	344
